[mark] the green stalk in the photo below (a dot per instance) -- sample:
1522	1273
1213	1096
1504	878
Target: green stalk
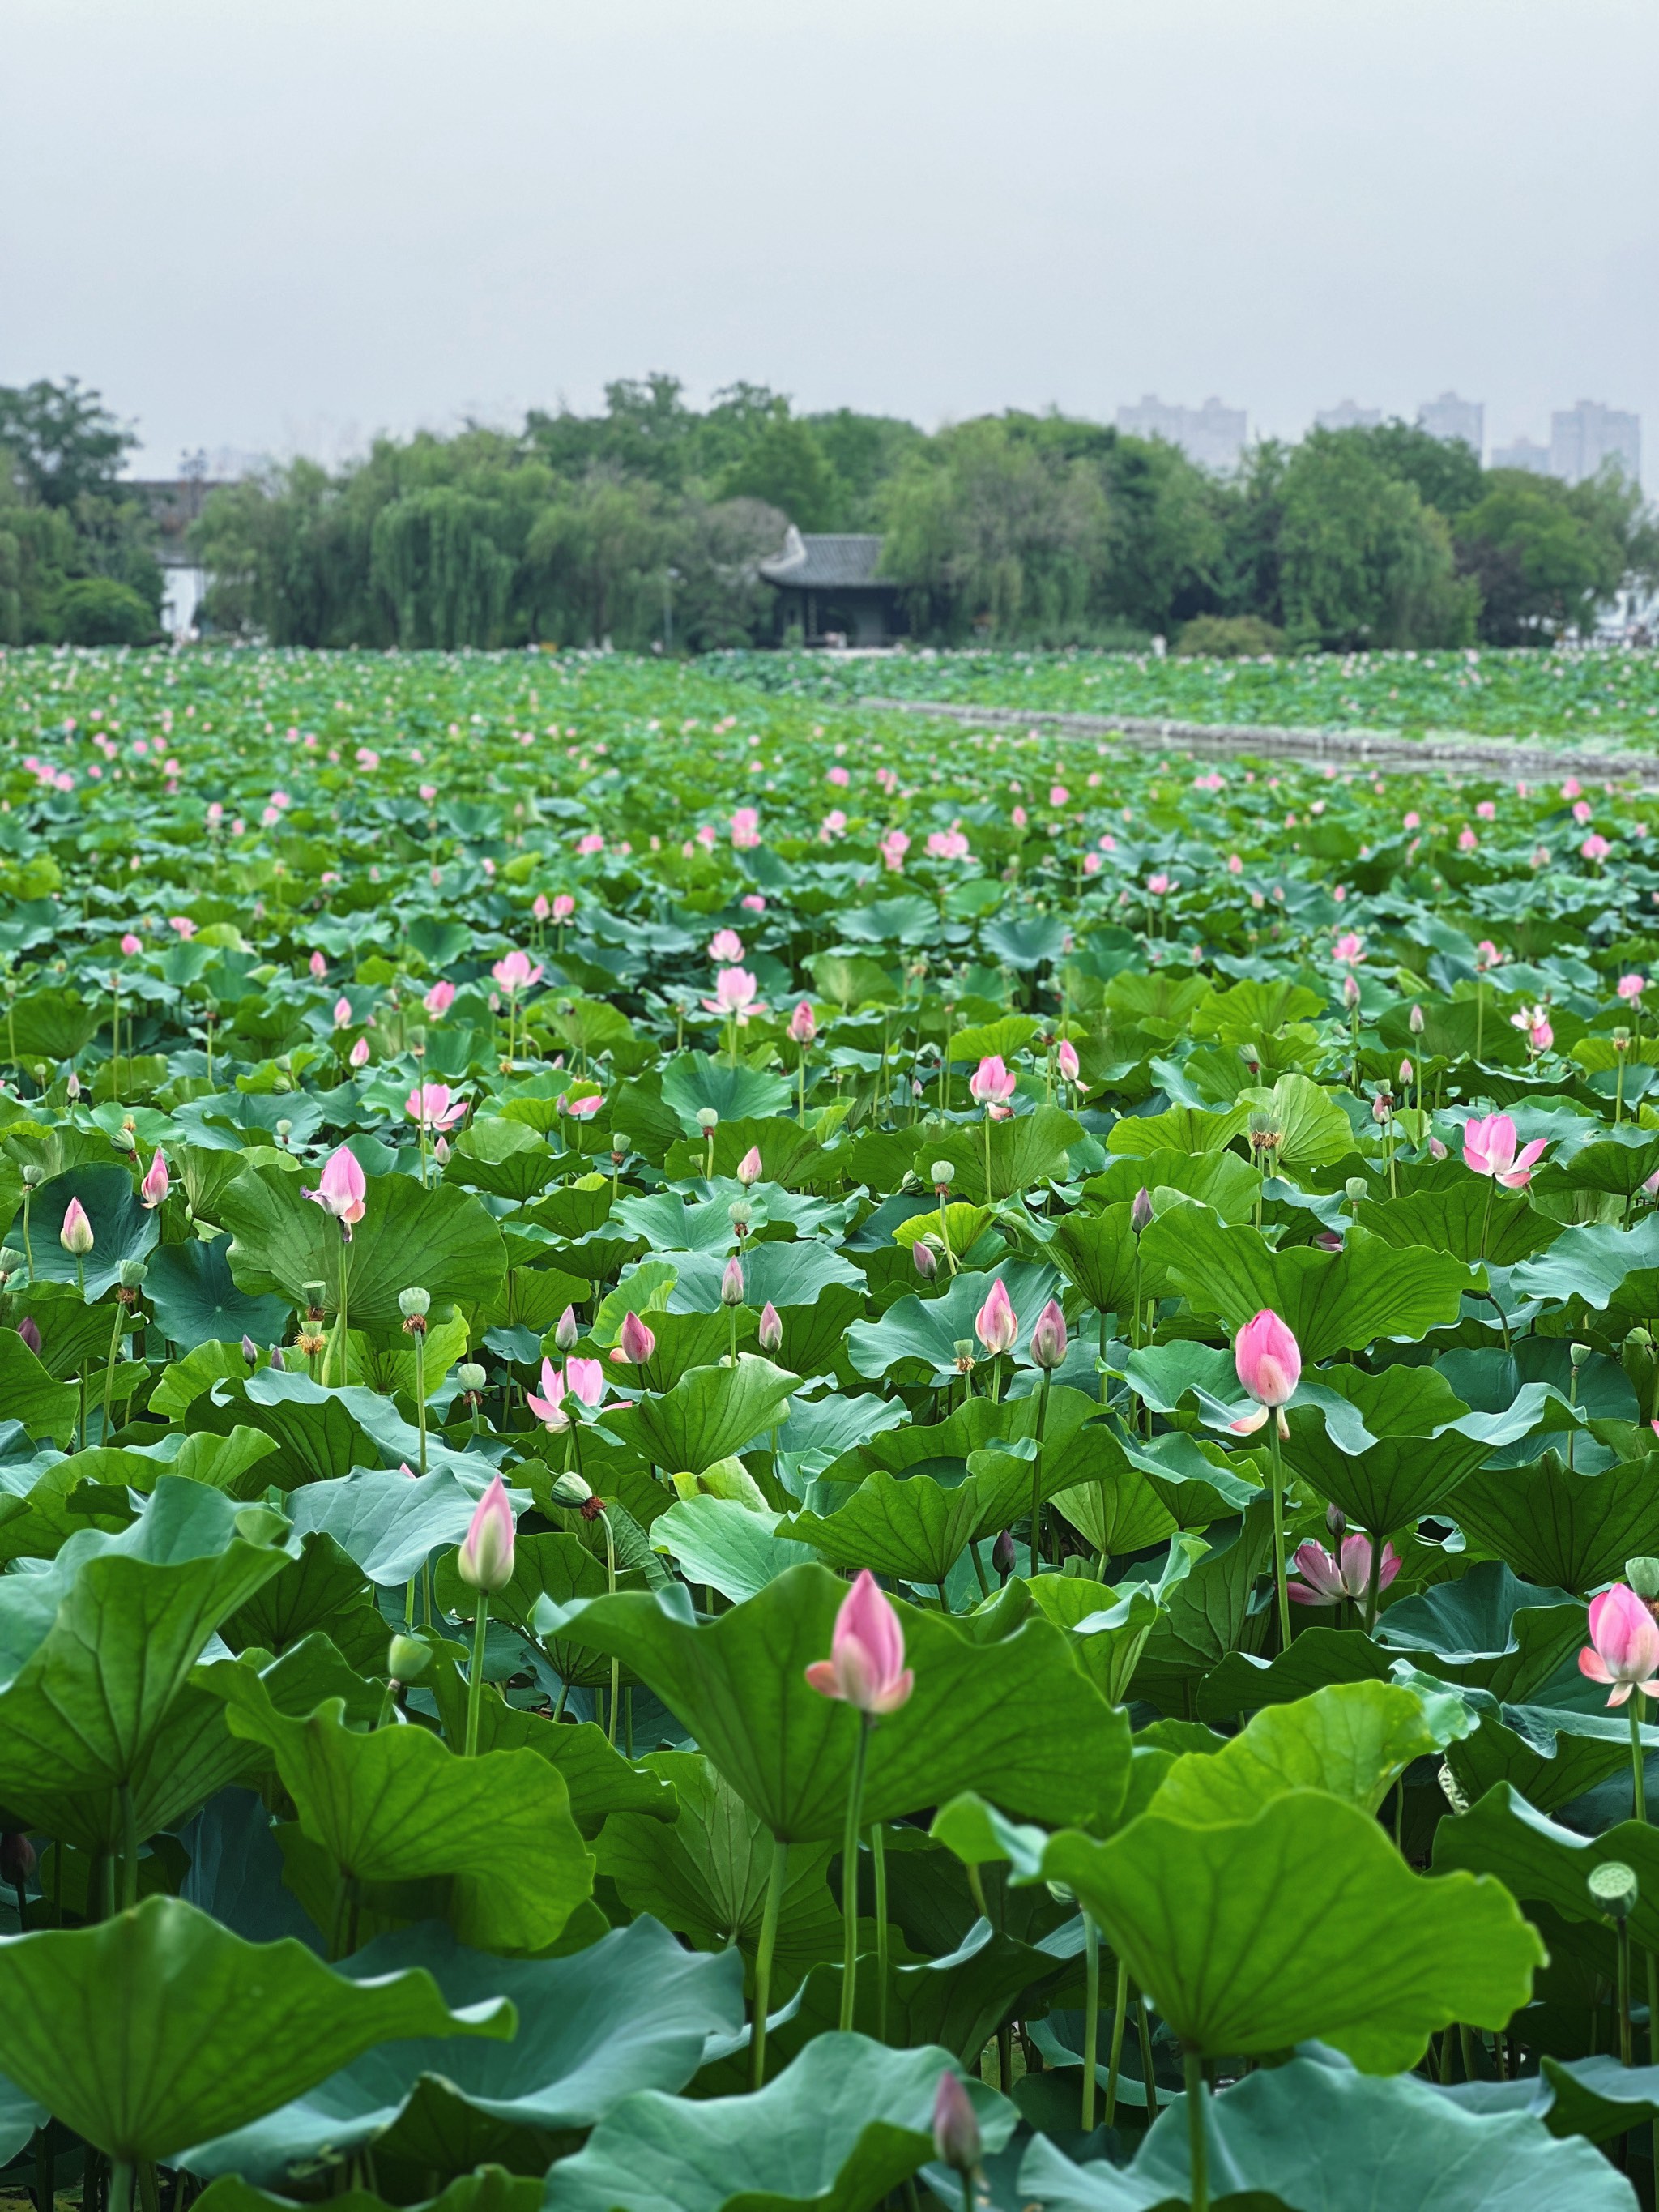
475	1680
1197	2144
28	1247
610	1591
1091	2019
849	1875
120	2184
1120	2017
768	1936
987	1156
1036	1475
1278	1531
878	1861
1636	1759
339	1335
420	1399
128	1849
109	1372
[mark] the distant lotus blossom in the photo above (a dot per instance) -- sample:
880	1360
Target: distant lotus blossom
318	966
803	1023
1235	865
991	1086
1595	846
429	791
947	845
183	924
1631	987
440	999
1159	886
1486	811
893	848
343	1013
1019	817
734	998
132	944
1091	863
1348	949
838	776
539	907
435	1106
746	829
1583	811
1411	820
1486	955
1489	1149
563	906
752	903
1571	788
1467	840
1058	794
593	842
580	1109
832	825
515	972
725	947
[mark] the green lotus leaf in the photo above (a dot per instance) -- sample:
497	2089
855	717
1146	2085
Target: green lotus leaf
490	2189
1488	1628
710	1414
1589	1262
123	1228
159	2027
1468	1217
1557	1527
389	1523
731	1546
198	1302
1011	1714
1025	1150
45	1409
927	1331
1596	2097
1542	1862
1198	1915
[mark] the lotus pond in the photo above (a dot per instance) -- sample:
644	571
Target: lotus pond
752	1455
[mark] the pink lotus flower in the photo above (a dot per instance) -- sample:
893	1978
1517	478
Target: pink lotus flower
1582	810
746	829
1268	1360
734	998
342	1190
732	1284
75	1235
1235	864
725	947
539	907
956	2125
770	1332
1058	794
343	1013
995	1324
584	1379
183	924
549	1407
564	906
866	1667
439	999
1066	1061
580	1109
1631	987
991	1086
154	1189
358	1054
1595	846
435	1105
752	903
1489	1149
803	1023
1348	948
484	1561
1327	1580
318	966
750	1168
1159	885
1624	1646
513	973
1467	840
1049	1336
1487	955
638	1341
132	944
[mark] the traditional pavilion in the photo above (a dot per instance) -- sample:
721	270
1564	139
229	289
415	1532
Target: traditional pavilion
826	585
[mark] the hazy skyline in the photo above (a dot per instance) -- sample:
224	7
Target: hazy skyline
286	227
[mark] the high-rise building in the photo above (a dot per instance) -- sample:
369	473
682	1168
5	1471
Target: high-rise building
1212	436
1522	454
1348	415
1583	437
1450	418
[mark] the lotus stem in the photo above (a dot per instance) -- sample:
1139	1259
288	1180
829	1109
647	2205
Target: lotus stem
776	1875
1279	1530
128	1849
120	2184
420	1399
1636	1775
1091	2019
610	1591
109	1372
849	1875
475	1680
1197	2144
1120	2017
1036	1475
879	1861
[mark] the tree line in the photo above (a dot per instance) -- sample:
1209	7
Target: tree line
643	526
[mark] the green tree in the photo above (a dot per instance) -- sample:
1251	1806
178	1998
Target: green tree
1363	561
1165	533
784	466
433	553
97	610
1547	556
1446	472
63	442
596	558
864	451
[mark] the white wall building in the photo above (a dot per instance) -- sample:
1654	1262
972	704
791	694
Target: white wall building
1348	415
1449	417
1583	437
1522	454
1213	434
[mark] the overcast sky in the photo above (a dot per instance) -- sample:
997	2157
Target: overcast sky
281	225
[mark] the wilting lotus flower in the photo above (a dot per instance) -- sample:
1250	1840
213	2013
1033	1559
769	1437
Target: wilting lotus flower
513	973
75	1235
436	1104
1624	1646
440	999
866	1667
154	1189
1327	1580
484	1561
1489	1149
991	1086
995	1324
1268	1360
549	1407
638	1341
1049	1336
584	1379
770	1334
341	1189
803	1023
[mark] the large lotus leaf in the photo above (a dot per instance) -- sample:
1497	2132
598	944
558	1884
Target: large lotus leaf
1107	1628
1310	2134
1597	2097
1619	1161
439	1237
1331	1301
1196	1481
159	2027
1542	1862
729	1546
558	1567
1589	1262
1101	1254
784	1272
490	2189
927	1331
73	1335
503	1157
400	1805
317	1437
123	1228
706	1876
1313	1131
388	1523
693	1081
1414	1458
846	2123
631	2012
1557	1527
1206	1613
45	1410
197	1302
320	1588
1488	1628
1318	1658
1353	1740
1467	1219
1011	1714
1027	1149
95	1649
1553	1754
1199	1915
710	1414
671	1223
1123	1515
1220	1179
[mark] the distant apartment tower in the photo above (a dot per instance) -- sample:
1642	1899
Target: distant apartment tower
1523	454
1212	436
1348	415
1583	437
1449	417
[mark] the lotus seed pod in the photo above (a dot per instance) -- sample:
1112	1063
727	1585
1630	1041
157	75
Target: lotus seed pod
1578	1353
707	1119
408	1659
943	1174
1355	1189
414	1304
34	1176
1643	1575
471	1376
1613	1889
571	1489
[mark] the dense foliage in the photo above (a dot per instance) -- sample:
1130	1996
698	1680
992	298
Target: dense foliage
675	1358
76	558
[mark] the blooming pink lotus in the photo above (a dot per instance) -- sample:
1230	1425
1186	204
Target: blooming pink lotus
734	998
725	947
1348	948
1489	1149
1624	1646
342	1190
154	1189
991	1086
564	906
995	1324
580	1109
866	1667
1268	1360
435	1106
440	999
1327	1580
515	972
1631	987
484	1561
584	1379
1595	846
1159	886
549	1407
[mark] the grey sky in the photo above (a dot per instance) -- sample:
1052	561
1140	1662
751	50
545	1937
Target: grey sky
280	224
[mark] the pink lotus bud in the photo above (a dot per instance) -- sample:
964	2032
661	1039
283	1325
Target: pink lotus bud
1350	990
1268	1358
72	1083
250	1351
343	1013
584	1379
564	906
732	1282
154	1189
341	1189
866	1667
318	966
1624	1646
955	2128
75	1235
359	1054
921	1258
1405	1073
439	999
132	944
638	1342
1003	1556
539	907
991	1086
1066	1060
1414	1021
566	1330
1048	1337
994	1323
484	1561
749	1167
29	1332
770	1332
441	1151
17	1859
1141	1213
803	1023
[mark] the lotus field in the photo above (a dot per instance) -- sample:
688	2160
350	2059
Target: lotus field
753	1455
